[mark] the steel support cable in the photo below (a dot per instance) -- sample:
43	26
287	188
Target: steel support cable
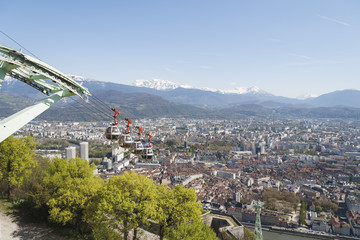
87	107
100	107
19	44
102	102
103	108
81	110
100	110
99	100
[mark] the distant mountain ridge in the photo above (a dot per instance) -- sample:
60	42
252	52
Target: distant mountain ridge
200	97
160	84
348	97
143	105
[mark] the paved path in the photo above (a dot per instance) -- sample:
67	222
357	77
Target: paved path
11	228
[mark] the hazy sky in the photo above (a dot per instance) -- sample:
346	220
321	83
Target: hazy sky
288	48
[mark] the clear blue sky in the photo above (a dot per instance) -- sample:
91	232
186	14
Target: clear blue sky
287	48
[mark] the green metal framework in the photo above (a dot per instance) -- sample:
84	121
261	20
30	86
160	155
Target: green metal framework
258	231
40	76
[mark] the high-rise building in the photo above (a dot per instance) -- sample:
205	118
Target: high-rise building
237	196
84	150
70	152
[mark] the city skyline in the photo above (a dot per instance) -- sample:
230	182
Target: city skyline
285	48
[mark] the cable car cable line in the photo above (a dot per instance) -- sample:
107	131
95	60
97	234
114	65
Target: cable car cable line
18	44
93	104
66	87
87	107
100	107
81	110
102	102
39	59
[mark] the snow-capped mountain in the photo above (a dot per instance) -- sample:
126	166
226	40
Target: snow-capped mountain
160	84
203	97
157	84
246	90
307	96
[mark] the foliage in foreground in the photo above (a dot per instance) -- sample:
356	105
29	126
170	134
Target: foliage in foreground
16	162
67	193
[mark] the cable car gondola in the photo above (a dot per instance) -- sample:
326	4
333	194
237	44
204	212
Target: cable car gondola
137	146
126	140
113	132
148	151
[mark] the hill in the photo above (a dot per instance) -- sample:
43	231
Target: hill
142	102
132	105
349	98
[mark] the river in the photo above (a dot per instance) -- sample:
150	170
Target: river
283	236
268	235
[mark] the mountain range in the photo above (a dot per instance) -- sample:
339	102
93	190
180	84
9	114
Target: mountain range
160	98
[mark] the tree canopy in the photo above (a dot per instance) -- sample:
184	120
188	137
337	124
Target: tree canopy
67	193
16	161
66	189
176	207
272	198
129	201
325	205
126	202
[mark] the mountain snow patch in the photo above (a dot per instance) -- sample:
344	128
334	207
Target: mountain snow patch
160	84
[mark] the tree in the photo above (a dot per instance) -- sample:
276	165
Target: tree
195	230
126	202
175	209
318	209
326	205
303	211
288	200
66	189
16	161
248	235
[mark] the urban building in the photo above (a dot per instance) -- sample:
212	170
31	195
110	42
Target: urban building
70	153
84	150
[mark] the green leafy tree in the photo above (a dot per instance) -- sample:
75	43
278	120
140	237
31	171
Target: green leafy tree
16	161
190	231
326	205
66	189
273	197
174	208
318	209
126	203
303	210
248	235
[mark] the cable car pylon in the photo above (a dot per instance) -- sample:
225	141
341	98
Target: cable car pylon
257	230
35	73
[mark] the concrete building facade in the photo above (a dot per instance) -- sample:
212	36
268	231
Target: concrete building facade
84	150
70	152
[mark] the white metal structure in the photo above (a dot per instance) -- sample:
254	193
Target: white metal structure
40	76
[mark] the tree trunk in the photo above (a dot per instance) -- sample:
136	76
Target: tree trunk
161	231
125	231
135	234
8	179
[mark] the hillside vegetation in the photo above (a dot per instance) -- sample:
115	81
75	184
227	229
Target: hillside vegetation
68	194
